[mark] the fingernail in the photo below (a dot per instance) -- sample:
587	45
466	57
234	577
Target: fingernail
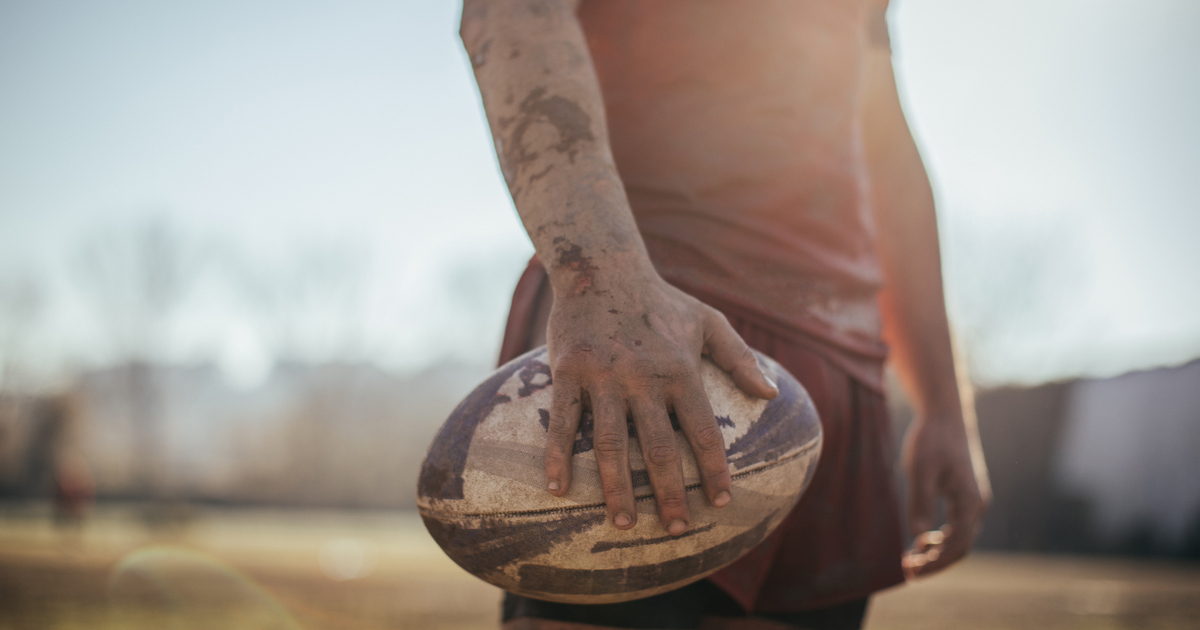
676	527
553	486
722	499
770	381
622	520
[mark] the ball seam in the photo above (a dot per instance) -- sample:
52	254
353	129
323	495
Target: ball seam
591	506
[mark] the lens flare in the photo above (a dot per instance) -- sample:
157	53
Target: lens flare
165	586
344	559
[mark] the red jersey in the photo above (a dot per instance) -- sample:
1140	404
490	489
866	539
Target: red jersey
735	128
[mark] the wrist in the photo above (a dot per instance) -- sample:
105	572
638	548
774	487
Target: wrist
937	398
576	272
941	412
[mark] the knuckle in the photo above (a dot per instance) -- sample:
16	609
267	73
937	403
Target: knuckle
555	458
747	357
608	444
715	317
561	426
564	376
614	488
671	500
708	439
715	475
569	365
676	367
655	373
644	367
661	453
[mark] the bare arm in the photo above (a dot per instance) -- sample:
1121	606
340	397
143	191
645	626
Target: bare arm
942	454
547	117
622	341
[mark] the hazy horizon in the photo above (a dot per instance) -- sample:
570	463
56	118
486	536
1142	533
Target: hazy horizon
338	156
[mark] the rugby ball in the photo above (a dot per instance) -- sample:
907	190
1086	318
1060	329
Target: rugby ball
482	490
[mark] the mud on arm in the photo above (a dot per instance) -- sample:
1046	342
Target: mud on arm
623	343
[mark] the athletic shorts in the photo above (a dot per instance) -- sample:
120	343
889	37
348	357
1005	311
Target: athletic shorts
844	539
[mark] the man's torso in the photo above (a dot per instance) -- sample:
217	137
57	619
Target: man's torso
735	127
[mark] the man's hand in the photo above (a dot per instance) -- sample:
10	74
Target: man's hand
636	352
937	459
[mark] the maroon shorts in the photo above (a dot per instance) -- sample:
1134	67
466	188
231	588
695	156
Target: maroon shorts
843	540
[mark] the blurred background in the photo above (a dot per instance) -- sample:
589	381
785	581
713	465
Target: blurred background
251	254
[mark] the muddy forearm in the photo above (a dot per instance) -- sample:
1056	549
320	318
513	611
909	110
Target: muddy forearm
546	113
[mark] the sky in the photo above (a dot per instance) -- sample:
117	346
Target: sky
322	184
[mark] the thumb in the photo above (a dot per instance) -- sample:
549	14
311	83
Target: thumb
731	353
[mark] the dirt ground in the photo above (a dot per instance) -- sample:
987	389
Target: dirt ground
134	567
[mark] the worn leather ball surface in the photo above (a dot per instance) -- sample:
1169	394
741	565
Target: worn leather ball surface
482	490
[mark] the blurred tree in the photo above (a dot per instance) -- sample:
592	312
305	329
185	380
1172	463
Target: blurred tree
135	278
21	303
475	290
309	308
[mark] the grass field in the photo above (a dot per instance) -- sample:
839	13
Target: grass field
182	568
